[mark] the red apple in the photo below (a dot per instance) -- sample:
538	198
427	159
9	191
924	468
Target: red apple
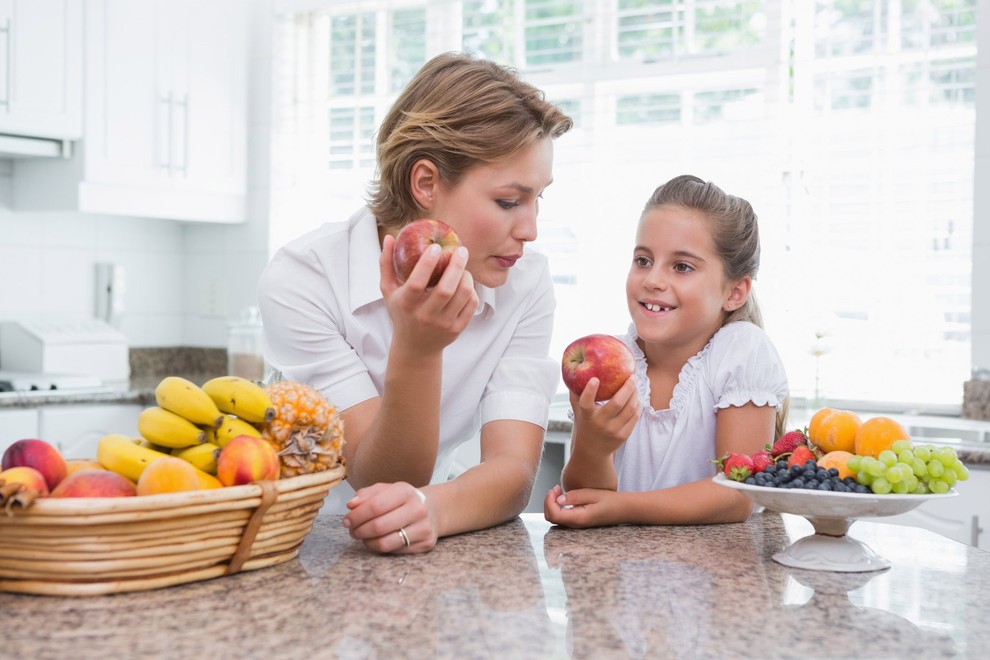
38	454
597	356
413	241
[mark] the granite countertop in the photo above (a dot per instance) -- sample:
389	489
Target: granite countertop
528	590
137	390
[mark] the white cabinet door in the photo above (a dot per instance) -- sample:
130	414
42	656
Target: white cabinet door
41	68
166	115
17	424
76	430
964	518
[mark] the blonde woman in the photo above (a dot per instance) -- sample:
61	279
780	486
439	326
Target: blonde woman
419	370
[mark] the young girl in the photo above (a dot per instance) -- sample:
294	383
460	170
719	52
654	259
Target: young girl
708	380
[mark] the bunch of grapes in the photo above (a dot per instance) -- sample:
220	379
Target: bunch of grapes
904	469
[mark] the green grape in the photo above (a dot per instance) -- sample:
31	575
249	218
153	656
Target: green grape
854	462
887	457
900	488
906	456
864	478
924	452
876	468
920	489
880	486
935	468
949	477
919	467
938	486
893	475
946	456
912	482
962	472
900	445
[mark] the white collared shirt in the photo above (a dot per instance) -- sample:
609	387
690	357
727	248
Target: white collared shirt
326	325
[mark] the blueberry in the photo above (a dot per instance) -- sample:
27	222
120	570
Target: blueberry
797	483
750	480
824	486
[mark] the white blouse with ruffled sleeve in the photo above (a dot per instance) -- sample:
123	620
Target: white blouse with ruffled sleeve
675	446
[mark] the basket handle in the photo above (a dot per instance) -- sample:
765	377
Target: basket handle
269	493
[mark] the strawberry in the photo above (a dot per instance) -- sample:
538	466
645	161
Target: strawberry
761	461
736	466
801	455
787	443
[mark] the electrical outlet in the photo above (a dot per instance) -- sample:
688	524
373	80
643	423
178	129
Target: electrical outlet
214	302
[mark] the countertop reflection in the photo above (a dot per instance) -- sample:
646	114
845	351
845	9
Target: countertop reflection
528	590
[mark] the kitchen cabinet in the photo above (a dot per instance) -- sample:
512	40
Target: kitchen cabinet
166	115
41	68
77	429
16	424
964	518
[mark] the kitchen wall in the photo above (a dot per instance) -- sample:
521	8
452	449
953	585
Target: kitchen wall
184	281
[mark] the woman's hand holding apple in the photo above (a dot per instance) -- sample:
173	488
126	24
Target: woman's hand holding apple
428	318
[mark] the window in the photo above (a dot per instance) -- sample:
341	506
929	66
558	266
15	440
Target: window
847	123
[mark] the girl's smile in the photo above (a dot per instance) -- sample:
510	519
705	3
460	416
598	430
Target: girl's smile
676	287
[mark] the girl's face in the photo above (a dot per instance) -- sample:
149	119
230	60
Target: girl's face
493	209
676	287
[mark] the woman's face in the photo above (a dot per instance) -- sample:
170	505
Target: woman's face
493	209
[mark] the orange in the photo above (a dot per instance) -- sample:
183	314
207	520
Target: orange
837	459
834	430
877	434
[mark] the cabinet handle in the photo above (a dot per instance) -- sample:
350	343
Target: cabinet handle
975	531
166	164
5	30
184	104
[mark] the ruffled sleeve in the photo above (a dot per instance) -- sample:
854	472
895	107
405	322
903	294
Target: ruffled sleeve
744	367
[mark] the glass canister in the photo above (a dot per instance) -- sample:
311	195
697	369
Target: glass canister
244	357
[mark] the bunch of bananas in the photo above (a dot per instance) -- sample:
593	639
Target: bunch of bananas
191	422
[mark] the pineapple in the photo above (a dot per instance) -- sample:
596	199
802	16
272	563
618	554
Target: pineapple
307	432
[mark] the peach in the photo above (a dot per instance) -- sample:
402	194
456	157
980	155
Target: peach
245	459
38	454
167	475
95	483
25	476
76	464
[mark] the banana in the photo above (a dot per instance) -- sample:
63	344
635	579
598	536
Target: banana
144	442
167	429
120	454
188	400
241	397
202	456
231	428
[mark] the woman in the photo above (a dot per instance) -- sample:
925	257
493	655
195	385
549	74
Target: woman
417	370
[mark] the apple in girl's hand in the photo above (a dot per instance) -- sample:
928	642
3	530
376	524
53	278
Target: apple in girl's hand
597	356
413	241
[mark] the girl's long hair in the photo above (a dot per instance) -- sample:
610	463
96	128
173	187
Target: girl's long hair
736	234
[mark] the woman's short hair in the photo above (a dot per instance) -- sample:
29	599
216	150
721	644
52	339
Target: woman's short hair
458	111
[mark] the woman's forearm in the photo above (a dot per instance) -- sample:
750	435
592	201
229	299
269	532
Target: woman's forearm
402	441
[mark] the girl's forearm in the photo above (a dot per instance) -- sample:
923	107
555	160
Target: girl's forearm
696	503
587	468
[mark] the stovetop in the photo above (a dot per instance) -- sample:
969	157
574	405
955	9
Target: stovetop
22	381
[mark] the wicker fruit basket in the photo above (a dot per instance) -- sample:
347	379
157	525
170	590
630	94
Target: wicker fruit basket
86	547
